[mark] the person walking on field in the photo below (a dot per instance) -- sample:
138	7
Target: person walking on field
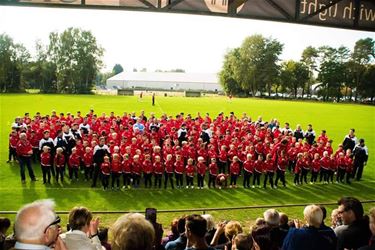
153	99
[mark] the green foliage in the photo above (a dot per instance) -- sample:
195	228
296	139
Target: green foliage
294	76
117	69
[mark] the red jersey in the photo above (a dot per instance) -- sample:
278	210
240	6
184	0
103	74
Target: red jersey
59	160
179	167
147	167
325	163
45	159
190	170
223	156
105	167
213	169
74	160
116	166
269	166
235	168
201	168
282	163
136	168
259	166
158	168
299	166
349	164
315	165
341	164
23	148
13	140
88	159
248	166
168	166
231	154
126	166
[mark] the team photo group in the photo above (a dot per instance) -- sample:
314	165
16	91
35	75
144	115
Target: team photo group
181	151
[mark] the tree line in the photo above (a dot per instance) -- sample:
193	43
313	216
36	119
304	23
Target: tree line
69	63
327	73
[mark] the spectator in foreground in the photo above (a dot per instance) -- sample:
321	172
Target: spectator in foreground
371	245
37	227
4	226
196	229
180	242
355	232
173	234
230	230
132	232
103	237
243	242
272	219
83	232
308	238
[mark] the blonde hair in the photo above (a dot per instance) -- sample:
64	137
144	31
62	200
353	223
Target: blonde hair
132	231
232	229
313	215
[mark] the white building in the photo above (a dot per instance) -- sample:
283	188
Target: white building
165	81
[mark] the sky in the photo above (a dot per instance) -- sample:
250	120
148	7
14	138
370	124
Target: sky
166	41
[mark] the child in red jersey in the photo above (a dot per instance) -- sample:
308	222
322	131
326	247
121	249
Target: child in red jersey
105	168
248	170
332	167
221	180
349	165
116	169
158	171
136	171
282	163
168	174
325	164
223	159
315	168
74	162
13	140
60	164
88	163
341	167
234	171
258	170
179	170
201	170
190	170
126	166
45	162
147	171
269	169
305	167
213	171
298	168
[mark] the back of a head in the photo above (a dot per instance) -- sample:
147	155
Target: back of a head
197	225
351	203
132	232
32	220
313	215
272	217
262	237
284	219
232	229
243	242
4	224
181	224
79	217
210	221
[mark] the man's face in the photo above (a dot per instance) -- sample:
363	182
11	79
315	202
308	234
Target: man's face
345	215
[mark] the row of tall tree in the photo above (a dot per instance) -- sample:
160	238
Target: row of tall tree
69	63
255	69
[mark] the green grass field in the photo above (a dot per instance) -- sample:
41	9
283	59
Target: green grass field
335	118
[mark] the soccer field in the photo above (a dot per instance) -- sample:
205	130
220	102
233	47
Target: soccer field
337	119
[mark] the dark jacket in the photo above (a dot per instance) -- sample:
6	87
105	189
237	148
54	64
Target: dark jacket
356	235
308	238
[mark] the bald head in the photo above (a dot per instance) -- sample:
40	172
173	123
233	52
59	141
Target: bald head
33	219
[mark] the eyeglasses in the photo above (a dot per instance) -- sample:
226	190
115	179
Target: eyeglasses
55	222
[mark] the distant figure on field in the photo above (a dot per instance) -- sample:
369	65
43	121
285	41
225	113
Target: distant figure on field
153	99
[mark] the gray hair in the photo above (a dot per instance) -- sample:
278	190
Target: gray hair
210	221
272	217
32	219
313	215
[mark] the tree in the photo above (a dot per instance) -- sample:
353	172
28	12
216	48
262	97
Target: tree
309	58
294	75
77	57
117	69
363	54
226	75
367	88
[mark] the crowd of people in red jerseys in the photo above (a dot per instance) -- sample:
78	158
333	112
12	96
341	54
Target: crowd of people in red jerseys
127	148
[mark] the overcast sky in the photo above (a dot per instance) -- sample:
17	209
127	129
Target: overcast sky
166	41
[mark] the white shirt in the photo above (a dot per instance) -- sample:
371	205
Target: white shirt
26	246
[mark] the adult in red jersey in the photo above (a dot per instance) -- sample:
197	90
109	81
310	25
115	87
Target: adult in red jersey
45	162
258	170
168	174
13	140
213	171
201	170
282	163
269	170
234	171
179	170
248	170
24	151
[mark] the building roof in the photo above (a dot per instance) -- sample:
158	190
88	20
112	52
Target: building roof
166	77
